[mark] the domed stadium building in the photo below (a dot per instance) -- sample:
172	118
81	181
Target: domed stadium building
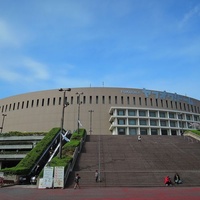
101	110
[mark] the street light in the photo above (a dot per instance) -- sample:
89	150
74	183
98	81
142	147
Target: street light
91	111
65	104
181	115
4	115
79	103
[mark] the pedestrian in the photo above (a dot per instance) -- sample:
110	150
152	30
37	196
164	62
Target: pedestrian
96	175
139	138
76	180
167	181
177	179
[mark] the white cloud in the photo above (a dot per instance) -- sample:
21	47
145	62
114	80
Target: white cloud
35	69
195	11
7	35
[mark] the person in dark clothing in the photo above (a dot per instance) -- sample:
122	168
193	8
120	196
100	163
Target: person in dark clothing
96	175
76	180
177	179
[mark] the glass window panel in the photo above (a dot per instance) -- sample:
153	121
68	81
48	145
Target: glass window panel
171	115
142	113
121	121
132	112
153	122
152	113
121	112
132	131
172	123
132	121
143	122
162	114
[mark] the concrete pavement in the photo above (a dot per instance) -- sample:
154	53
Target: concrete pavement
133	193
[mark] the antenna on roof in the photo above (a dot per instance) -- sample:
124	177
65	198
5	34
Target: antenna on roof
103	84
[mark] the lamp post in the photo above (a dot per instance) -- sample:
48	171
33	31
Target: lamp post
65	104
4	115
181	115
79	103
91	111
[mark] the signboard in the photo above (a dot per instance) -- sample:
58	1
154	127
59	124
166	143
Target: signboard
1	174
59	177
48	177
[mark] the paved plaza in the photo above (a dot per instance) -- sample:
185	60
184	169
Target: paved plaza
153	193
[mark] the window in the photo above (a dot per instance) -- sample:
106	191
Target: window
48	101
121	121
84	99
97	100
132	131
162	114
142	112
121	112
171	115
54	101
152	113
163	123
171	104
153	122
132	122
27	104
132	112
37	103
151	101
109	99
59	102
143	122
143	131
167	103
128	100
122	100
172	124
42	102
32	103
188	117
145	101
157	102
133	100
140	101
161	101
154	131
22	104
18	105
14	106
121	131
115	99
103	99
72	100
90	99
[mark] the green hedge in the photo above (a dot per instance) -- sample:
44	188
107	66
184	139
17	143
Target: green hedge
16	133
26	164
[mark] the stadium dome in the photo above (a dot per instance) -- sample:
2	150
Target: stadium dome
101	110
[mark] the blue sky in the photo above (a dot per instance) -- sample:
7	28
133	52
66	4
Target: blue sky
48	44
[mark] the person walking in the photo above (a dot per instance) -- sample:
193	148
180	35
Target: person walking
96	176
76	180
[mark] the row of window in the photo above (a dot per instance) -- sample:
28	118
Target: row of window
102	99
145	131
152	122
152	113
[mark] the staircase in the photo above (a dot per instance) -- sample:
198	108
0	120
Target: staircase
123	161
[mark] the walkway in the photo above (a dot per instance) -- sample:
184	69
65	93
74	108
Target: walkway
163	193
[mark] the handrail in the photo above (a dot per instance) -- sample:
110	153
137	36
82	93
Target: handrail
75	155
